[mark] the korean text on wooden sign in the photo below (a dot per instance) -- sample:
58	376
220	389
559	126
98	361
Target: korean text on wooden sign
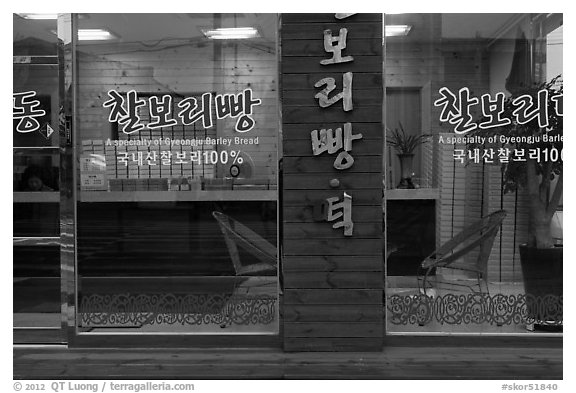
336	141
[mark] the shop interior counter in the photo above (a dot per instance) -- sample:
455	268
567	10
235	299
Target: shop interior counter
168	196
36	197
416	193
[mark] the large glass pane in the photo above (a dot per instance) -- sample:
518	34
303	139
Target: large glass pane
459	89
177	146
36	221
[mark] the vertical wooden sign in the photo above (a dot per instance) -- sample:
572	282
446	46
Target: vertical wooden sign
332	95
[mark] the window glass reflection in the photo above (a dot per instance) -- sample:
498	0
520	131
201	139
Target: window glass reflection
178	175
36	212
457	208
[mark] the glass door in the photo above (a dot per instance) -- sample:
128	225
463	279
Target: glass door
176	142
36	196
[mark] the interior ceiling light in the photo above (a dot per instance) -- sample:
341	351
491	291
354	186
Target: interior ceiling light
38	16
397	30
92	35
231	33
95	35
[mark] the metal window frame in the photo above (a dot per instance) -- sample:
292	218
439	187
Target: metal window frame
67	38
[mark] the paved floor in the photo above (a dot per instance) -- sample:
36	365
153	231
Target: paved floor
394	362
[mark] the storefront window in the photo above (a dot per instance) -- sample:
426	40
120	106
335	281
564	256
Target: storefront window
167	218
474	123
36	217
177	181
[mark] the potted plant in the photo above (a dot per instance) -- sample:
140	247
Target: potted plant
405	145
540	176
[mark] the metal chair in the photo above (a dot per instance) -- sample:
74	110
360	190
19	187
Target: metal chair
479	235
238	235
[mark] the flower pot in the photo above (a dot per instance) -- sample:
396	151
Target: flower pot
406	162
542	271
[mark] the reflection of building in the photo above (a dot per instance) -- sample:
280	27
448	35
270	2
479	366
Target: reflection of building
141	251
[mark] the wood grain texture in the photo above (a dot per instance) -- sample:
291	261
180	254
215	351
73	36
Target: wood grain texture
332	114
315	47
313	230
339	313
327	263
332	280
305	97
369	131
348	182
330	344
311	64
305	214
318	19
295	31
306	183
360	80
361	197
335	329
303	148
332	296
324	163
344	246
415	359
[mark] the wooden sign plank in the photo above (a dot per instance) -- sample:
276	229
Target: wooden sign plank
332	344
315	46
370	131
330	247
306	214
326	265
331	313
347	181
336	329
325	164
317	19
303	148
303	115
303	31
368	98
360	81
331	280
367	197
363	230
333	296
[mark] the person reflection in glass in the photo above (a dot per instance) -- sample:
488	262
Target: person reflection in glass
33	179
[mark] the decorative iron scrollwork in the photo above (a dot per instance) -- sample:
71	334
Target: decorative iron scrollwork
185	309
468	309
